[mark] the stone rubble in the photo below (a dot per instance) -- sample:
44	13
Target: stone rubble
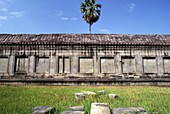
99	108
131	110
76	108
102	92
113	96
80	96
73	112
43	110
89	93
96	108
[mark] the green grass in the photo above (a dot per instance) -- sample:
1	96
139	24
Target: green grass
21	99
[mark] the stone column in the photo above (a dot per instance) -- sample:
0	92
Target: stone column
160	66
95	59
118	66
74	64
11	65
56	64
53	65
139	65
32	65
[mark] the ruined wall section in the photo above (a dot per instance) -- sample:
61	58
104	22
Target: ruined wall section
85	60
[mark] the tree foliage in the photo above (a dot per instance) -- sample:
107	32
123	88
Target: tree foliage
91	11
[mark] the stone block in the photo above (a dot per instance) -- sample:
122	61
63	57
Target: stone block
73	112
89	93
113	96
102	92
76	108
80	96
43	110
99	108
131	110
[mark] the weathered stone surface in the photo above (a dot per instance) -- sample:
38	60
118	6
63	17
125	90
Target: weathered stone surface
43	110
73	112
80	96
86	65
99	108
89	93
150	65
3	65
113	96
128	64
76	108
107	65
131	110
102	92
42	65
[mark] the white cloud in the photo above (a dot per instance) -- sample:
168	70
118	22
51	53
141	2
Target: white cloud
16	14
3	18
131	7
11	15
106	31
68	19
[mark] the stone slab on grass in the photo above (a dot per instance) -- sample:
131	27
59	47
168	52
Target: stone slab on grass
99	108
89	93
73	112
131	110
76	108
43	110
113	96
80	96
102	92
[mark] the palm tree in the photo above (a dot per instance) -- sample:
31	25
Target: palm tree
91	12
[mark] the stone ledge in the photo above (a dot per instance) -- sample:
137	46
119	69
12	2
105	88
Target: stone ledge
86	80
89	81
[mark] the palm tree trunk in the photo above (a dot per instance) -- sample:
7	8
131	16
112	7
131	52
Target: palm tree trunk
90	28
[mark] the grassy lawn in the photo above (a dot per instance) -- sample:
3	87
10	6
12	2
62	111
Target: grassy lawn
21	99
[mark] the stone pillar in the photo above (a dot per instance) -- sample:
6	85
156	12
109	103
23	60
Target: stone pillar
160	66
95	59
11	65
32	65
74	64
60	64
139	65
56	64
53	65
118	66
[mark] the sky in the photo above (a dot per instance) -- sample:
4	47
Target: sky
63	16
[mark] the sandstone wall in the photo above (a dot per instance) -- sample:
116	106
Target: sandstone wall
86	60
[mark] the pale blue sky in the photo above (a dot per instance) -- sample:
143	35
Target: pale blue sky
63	16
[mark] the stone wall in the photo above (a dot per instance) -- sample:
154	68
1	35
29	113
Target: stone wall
86	60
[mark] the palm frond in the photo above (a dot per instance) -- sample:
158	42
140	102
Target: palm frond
98	5
98	12
91	12
93	1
